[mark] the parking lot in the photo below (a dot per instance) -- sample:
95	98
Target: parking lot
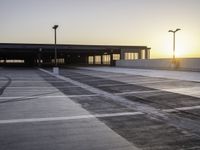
99	109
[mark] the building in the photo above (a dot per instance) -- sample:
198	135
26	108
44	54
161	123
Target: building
43	54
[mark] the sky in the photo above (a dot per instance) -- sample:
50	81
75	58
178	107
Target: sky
111	22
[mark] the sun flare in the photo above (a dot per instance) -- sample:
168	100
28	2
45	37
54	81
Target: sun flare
183	45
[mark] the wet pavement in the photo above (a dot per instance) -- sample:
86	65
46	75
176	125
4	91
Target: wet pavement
97	109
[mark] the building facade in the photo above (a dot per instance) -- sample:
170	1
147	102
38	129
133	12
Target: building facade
44	54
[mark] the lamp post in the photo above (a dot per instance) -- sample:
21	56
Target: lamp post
55	58
174	32
40	51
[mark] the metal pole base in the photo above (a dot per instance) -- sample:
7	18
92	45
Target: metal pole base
56	70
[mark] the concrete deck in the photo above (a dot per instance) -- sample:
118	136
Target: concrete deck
99	109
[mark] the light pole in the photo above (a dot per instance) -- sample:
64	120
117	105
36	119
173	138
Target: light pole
174	32
55	58
40	51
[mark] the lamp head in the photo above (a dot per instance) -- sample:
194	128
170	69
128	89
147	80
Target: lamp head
174	30
55	26
177	30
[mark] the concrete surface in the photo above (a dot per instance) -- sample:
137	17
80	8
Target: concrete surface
179	75
36	115
191	64
99	108
172	81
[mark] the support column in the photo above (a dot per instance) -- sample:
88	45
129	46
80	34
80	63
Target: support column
39	59
139	54
111	60
146	53
122	55
101	59
93	59
148	50
86	59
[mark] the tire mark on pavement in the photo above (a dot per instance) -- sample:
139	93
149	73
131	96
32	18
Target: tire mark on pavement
2	89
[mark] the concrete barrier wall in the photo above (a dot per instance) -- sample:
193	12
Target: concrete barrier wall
191	64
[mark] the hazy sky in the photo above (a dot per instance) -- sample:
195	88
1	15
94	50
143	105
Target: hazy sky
113	22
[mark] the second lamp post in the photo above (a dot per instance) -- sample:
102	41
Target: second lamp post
174	32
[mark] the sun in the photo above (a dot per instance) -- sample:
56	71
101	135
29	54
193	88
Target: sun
181	50
182	46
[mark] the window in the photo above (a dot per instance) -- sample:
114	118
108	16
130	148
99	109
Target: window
131	56
58	60
116	56
97	59
106	59
90	60
13	61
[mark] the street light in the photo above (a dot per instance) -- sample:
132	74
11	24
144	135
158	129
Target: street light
40	51
174	32
55	58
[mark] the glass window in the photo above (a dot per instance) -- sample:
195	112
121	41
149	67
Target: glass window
116	56
90	60
131	56
14	61
97	59
106	59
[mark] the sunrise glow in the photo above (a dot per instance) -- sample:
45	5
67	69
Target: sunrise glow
128	22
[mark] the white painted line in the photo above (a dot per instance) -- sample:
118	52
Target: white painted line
136	92
29	87
18	97
119	114
104	85
89	95
182	108
11	121
30	120
40	87
67	118
49	96
32	81
152	82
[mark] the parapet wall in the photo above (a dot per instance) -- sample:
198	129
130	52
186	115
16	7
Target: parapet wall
190	64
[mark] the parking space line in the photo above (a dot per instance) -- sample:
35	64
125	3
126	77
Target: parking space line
53	96
182	108
30	120
12	121
152	82
136	92
105	85
32	81
39	87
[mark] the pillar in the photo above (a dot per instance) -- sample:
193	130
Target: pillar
140	54
122	55
39	59
101	59
111	60
93	59
147	53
